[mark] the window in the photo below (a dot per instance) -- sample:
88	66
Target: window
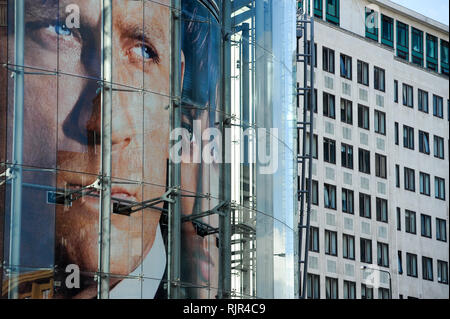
380	166
382	210
346	66
366	251
397	176
438	106
425	223
438	147
399	219
439	188
308	99
423	101
314	239
395	91
441	229
318	8
363	73
332	11
400	263
313	286
331	288
363	117
315	153
314	193
383	255
396	133
424	183
432	53
442	271
364	205
347	201
364	161
410	222
330	196
427	268
329	151
380	122
383	293
417	47
411	265
410	179
347	156
349	290
408	95
387	31
329	108
371	24
348	246
366	292
424	143
330	243
328	60
408	137
346	111
379	79
402	41
444	58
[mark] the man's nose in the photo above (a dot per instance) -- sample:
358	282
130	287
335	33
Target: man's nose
123	130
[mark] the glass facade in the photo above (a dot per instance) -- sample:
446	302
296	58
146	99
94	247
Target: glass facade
152	153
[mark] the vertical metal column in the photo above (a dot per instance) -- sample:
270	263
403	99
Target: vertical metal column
311	134
106	144
225	220
174	228
304	194
17	152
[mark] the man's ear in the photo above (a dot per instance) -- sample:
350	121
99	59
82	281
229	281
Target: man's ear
183	67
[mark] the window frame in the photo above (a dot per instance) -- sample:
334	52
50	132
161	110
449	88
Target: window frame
328	56
390	21
422	145
364	161
409	179
346	116
347	60
408	95
423	107
330	238
379	83
380	122
329	147
425	226
327	98
333	18
417	55
329	190
410	222
365	257
424	184
363	117
346	157
411	265
363	69
365	199
382	215
403	47
383	258
348	247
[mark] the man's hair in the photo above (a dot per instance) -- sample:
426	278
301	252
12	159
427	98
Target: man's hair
200	45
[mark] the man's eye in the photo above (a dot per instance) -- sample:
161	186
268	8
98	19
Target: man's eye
145	51
60	29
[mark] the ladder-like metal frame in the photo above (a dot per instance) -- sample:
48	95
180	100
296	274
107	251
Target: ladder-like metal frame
305	126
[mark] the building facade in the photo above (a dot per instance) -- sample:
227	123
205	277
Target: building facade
381	146
136	149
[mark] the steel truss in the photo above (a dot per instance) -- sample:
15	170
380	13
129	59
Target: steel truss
305	129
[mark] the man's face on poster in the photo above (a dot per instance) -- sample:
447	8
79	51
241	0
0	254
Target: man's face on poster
63	126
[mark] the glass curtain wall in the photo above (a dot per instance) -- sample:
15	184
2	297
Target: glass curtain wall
199	140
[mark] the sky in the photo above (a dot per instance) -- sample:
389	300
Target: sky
435	9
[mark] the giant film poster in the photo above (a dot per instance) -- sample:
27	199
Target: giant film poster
62	149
